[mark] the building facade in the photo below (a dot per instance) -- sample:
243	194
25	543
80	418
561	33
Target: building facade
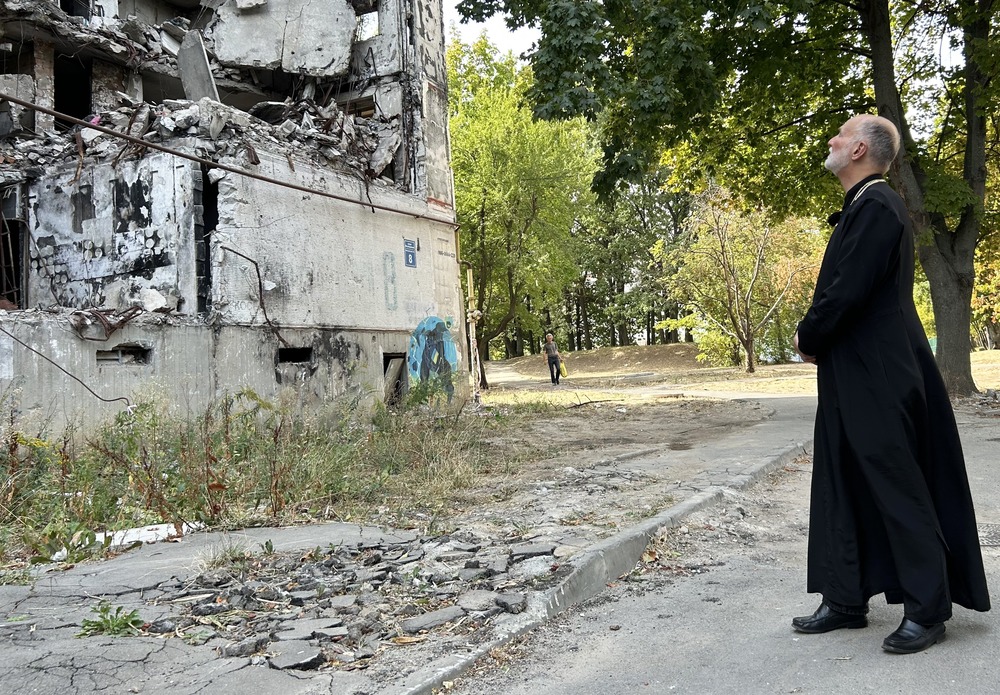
264	200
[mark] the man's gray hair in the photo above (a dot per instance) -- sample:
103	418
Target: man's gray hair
882	138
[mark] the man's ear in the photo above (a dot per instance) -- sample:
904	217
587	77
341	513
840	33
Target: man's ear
859	150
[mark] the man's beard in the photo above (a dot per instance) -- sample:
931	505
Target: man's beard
836	161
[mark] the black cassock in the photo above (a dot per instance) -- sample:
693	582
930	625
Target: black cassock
891	510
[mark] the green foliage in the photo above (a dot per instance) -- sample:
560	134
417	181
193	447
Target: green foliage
67	542
922	300
432	392
244	460
520	186
619	294
746	95
654	74
113	622
745	277
946	192
986	295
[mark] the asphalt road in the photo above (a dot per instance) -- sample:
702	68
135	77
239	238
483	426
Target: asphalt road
724	627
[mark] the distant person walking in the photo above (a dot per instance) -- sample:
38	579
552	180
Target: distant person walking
890	512
552	357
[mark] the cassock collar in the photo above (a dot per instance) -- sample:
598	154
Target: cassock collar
850	195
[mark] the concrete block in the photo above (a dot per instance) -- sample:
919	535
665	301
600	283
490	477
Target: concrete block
298	36
196	73
429	621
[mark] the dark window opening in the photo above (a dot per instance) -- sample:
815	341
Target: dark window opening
390	172
206	220
126	353
394	369
76	8
157	87
19	60
363	107
72	88
295	354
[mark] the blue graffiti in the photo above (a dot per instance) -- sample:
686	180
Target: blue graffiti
433	354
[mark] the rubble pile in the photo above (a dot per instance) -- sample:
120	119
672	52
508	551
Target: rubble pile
365	146
299	128
987	402
341	606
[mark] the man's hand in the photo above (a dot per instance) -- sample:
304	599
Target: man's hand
811	359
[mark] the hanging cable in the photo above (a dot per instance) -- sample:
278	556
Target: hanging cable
61	369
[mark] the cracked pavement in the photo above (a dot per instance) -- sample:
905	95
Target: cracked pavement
39	623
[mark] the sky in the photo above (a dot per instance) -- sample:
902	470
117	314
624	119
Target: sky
518	42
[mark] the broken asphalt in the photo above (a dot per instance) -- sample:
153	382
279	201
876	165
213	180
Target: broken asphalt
39	623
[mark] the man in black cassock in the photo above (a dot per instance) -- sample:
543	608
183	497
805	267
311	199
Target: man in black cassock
891	512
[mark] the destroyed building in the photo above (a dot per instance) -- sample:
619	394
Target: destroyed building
204	196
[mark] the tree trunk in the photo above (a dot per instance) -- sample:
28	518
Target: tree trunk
948	259
951	297
748	346
484	354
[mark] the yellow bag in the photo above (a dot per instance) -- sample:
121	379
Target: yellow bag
562	368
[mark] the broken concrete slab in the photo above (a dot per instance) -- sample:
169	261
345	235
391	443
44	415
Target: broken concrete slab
477	601
295	655
429	621
246	647
196	73
307	629
512	603
528	550
297	36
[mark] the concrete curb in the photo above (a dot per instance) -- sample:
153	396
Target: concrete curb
593	569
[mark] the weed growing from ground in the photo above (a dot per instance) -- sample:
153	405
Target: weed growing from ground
114	622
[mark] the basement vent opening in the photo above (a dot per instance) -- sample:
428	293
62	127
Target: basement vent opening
124	354
296	355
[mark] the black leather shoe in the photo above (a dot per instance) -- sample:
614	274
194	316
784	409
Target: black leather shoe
826	619
911	637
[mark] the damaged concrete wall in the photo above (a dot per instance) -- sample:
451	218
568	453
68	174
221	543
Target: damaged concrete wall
326	263
430	55
209	281
167	358
106	236
298	36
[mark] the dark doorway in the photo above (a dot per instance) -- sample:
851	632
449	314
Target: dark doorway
206	200
394	369
72	88
13	233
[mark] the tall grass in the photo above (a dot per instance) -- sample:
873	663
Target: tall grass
243	461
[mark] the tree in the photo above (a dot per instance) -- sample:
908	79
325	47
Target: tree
619	295
738	268
986	296
519	185
754	88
